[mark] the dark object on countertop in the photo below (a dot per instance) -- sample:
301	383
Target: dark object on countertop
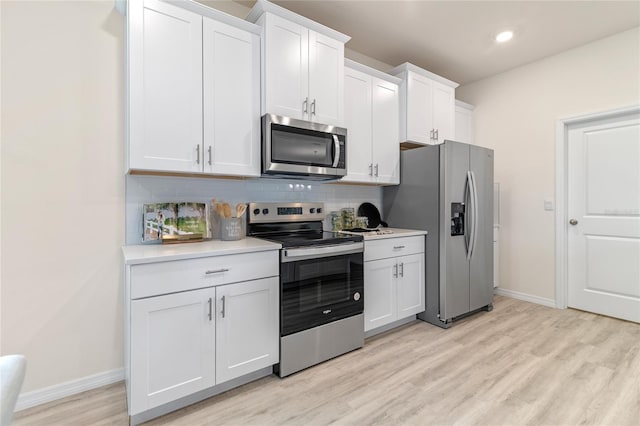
372	213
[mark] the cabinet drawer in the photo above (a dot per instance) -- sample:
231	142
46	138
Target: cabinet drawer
153	279
393	247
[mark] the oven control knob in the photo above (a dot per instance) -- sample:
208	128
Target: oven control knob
356	296
319	210
265	211
256	211
312	210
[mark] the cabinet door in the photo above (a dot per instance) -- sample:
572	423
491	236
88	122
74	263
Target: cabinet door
419	113
444	108
357	114
165	65
463	125
231	61
247	337
379	293
410	288
385	142
326	79
172	347
286	68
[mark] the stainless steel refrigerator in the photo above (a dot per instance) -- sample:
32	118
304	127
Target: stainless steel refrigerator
447	190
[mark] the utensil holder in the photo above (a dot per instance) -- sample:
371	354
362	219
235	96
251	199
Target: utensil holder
232	229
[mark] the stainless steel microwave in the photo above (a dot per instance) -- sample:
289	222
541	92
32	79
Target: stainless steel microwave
302	149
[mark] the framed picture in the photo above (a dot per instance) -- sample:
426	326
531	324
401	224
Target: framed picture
175	221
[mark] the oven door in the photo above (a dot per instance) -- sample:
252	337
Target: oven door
297	147
316	291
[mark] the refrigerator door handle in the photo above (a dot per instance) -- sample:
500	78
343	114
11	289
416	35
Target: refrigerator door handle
474	216
468	198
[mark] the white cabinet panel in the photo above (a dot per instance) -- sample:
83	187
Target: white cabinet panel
379	293
247	327
326	79
386	149
410	288
357	113
371	118
303	72
165	62
231	61
443	112
172	347
419	118
286	64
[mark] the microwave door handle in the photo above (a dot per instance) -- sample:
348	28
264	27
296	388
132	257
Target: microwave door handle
336	150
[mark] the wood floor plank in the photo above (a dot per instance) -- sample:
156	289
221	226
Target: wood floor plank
517	365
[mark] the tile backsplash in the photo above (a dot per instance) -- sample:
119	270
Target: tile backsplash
154	189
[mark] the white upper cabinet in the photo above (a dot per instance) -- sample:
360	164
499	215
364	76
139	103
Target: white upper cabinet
427	106
371	118
303	66
194	90
231	63
464	122
165	87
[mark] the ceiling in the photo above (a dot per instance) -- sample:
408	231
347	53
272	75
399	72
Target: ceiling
455	39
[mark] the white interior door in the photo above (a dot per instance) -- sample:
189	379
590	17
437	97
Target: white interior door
604	217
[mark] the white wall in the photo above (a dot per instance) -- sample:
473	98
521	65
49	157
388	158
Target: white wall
516	114
62	187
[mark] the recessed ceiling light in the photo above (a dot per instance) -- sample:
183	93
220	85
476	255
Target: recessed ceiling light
504	36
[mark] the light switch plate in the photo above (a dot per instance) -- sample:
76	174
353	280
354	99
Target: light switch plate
548	205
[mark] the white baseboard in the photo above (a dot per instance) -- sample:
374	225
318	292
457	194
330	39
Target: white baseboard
524	296
62	390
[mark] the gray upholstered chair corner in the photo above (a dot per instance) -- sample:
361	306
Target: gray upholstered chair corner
12	370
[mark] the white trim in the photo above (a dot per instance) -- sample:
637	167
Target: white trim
561	249
404	68
72	387
371	71
464	105
524	296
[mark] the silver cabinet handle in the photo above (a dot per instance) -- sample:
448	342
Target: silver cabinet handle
336	145
210	315
371	169
313	107
573	222
398	247
197	154
395	271
376	169
402	269
223	306
437	134
431	133
305	103
216	271
210	158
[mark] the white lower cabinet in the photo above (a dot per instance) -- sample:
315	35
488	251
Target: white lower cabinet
247	328
200	330
393	280
173	341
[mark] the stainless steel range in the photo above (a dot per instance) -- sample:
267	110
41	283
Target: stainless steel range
321	283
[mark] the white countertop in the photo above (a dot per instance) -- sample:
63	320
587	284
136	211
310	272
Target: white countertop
149	253
394	233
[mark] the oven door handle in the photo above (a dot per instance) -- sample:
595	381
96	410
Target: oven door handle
294	254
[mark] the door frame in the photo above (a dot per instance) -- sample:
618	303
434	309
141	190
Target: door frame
561	228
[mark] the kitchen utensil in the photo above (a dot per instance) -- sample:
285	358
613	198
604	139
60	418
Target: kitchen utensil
226	210
240	209
219	210
372	213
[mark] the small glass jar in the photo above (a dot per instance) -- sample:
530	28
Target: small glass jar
348	217
336	221
362	222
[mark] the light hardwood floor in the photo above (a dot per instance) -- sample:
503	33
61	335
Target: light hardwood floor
520	364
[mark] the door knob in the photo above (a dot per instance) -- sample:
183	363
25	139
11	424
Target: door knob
573	222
